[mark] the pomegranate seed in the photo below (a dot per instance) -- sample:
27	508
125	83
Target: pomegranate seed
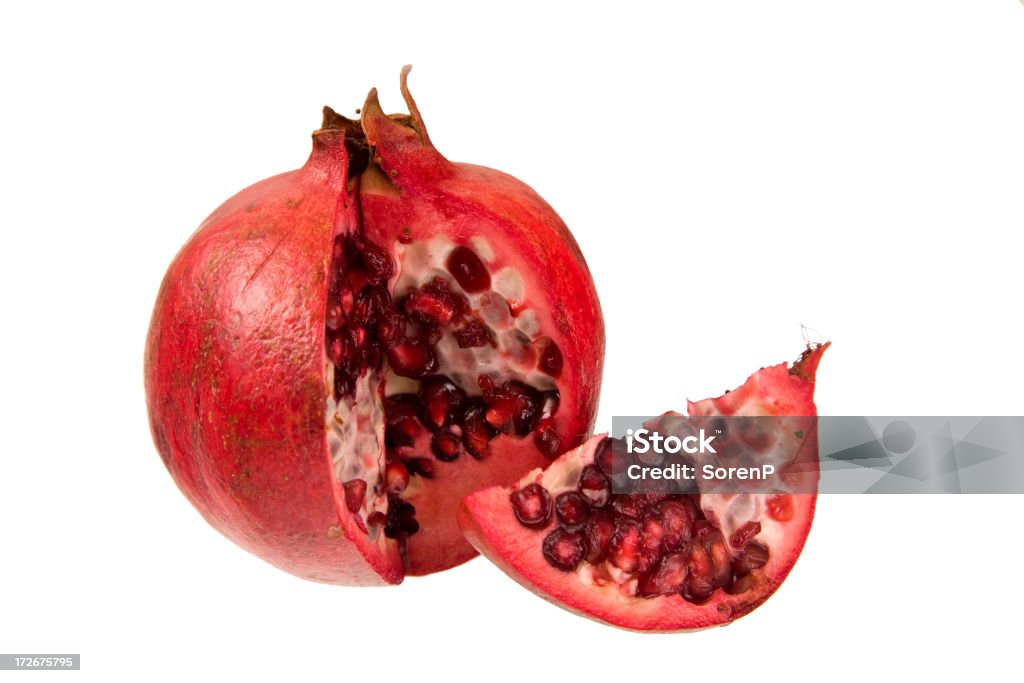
780	507
421	467
434	303
468	270
532	505
629	505
594	486
355	493
499	415
441	402
698	585
677	522
440	288
474	334
741	536
359	337
355	279
400	407
401	520
624	549
648	558
547	441
610	457
347	301
391	328
528	405
599	530
550	361
333	314
445	446
654	531
396	477
487	386
753	556
666	579
740	584
701	528
426	307
649	500
369	305
722	561
344	384
396	437
564	549
512	407
341	349
379	265
652	536
412	358
400	411
431	334
476	431
572	509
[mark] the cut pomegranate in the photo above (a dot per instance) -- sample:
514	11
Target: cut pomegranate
659	562
333	341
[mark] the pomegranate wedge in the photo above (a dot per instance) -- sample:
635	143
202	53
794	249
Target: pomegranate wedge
654	562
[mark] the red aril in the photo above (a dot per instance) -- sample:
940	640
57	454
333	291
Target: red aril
657	562
340	353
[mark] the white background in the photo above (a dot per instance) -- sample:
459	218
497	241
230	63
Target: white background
730	169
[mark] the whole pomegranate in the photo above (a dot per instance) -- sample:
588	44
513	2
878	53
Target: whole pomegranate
341	353
656	562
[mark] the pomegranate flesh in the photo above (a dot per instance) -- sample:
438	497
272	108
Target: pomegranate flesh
340	353
655	562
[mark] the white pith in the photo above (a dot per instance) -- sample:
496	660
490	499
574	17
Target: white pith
355	429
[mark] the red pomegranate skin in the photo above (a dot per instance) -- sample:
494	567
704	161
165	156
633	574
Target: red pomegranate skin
235	377
235	369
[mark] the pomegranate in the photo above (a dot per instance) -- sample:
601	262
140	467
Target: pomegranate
340	353
655	562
